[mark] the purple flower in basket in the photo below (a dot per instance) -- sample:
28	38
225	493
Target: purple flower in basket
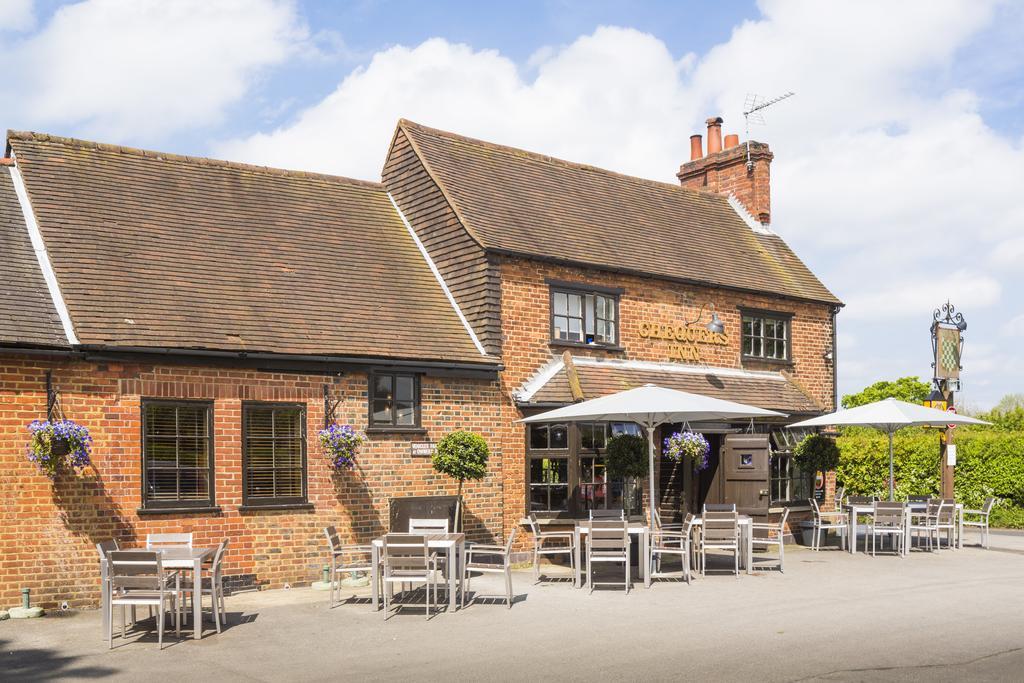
340	443
59	444
688	445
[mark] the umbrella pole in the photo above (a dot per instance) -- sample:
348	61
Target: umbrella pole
650	470
892	493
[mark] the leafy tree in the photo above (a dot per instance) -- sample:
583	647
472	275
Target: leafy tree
462	455
1011	420
909	389
1010	403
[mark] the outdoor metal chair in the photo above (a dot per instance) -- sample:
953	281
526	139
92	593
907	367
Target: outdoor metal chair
212	585
137	577
837	499
672	542
860	500
408	560
825	521
611	513
918	498
550	543
768	540
495	559
661	526
608	542
426	527
719	507
981	523
346	559
946	523
719	531
889	519
927	521
158	541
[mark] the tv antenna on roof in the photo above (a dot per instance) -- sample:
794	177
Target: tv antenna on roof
753	112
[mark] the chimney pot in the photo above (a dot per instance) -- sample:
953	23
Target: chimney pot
732	140
714	135
696	147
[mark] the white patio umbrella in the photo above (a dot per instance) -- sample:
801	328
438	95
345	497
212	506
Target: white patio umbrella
889	415
652	406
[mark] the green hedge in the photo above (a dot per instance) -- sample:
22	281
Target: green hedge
989	463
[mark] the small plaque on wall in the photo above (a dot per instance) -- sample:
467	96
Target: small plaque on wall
421	449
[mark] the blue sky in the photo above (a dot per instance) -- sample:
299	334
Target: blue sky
897	165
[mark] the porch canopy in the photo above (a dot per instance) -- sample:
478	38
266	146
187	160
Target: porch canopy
889	415
651	406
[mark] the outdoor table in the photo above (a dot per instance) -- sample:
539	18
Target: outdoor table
179	559
916	508
746	539
638	529
454	547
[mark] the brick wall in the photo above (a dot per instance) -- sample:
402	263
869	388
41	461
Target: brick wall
48	530
526	340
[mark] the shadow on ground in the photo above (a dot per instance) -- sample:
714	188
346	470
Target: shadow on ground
45	664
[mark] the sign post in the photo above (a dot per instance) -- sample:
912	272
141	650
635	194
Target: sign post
947	330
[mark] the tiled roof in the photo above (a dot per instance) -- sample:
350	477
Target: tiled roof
599	378
520	202
159	250
27	314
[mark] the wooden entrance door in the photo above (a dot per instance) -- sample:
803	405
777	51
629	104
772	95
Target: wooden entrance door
744	473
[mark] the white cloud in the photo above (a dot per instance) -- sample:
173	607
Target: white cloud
135	70
1014	327
16	15
585	102
898	297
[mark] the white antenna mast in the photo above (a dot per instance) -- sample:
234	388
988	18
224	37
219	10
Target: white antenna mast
753	109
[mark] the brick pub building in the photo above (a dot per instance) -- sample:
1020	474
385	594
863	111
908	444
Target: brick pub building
205	319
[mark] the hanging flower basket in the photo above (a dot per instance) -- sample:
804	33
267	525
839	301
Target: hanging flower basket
340	444
56	445
690	446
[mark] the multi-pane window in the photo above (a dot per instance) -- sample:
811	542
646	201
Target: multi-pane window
584	317
177	454
788	483
766	337
394	400
274	454
567	471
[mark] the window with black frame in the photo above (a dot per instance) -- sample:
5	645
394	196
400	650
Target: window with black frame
177	454
584	317
274	454
567	473
394	400
548	467
789	484
766	336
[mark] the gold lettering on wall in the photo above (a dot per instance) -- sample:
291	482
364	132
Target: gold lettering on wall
685	339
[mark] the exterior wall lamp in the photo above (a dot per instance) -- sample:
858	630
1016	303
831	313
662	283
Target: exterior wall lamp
715	325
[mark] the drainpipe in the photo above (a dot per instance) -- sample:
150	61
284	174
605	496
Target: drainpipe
835	362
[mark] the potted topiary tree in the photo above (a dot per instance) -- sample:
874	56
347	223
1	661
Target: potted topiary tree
461	455
816	453
626	458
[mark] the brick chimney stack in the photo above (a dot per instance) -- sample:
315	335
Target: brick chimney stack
726	171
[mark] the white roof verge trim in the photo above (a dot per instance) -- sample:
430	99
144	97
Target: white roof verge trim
653	366
539	379
44	259
437	274
752	223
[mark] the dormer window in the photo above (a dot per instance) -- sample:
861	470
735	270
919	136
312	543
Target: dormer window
584	316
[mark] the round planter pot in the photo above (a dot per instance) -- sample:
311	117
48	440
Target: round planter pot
25	613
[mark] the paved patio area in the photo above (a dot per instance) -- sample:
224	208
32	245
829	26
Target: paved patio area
831	616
